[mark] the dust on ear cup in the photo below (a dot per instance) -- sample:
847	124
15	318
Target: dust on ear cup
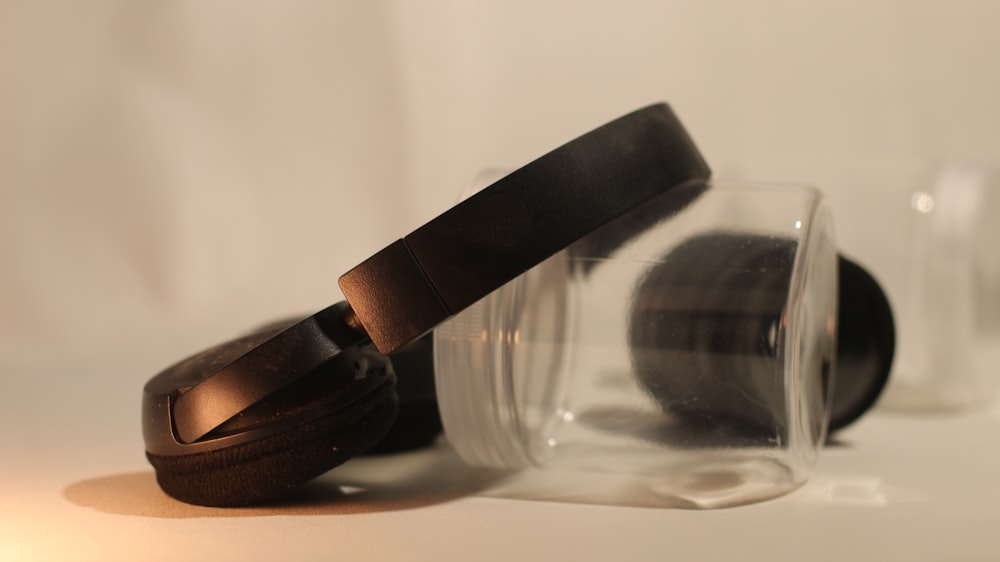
319	420
866	342
703	335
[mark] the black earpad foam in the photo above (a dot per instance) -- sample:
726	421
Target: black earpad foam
419	421
701	326
266	468
701	334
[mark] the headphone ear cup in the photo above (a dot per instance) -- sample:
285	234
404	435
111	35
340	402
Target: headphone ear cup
267	468
305	397
734	313
699	334
866	340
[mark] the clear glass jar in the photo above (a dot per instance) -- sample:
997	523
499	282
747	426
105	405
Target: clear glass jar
687	346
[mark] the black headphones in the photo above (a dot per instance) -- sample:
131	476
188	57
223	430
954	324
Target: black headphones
246	421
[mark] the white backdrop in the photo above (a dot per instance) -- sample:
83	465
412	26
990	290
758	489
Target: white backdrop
173	173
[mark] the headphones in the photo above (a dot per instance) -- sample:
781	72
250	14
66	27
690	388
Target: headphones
248	420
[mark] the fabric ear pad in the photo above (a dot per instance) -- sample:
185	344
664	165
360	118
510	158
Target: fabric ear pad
269	467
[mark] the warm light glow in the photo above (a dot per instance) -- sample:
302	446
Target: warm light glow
798	225
12	548
922	202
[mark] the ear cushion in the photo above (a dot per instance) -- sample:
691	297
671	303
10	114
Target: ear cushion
267	468
419	421
728	302
699	334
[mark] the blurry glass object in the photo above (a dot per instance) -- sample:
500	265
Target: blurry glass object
949	306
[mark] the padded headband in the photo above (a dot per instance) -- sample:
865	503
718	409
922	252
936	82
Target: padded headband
476	247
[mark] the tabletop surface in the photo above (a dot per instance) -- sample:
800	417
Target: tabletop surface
74	485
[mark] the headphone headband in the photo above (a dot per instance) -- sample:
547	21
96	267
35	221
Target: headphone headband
419	281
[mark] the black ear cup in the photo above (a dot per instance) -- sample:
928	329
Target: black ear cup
269	467
866	343
349	405
293	432
703	334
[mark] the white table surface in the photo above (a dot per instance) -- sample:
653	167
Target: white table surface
74	485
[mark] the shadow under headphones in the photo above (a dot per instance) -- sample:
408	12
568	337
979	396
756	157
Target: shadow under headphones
247	420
